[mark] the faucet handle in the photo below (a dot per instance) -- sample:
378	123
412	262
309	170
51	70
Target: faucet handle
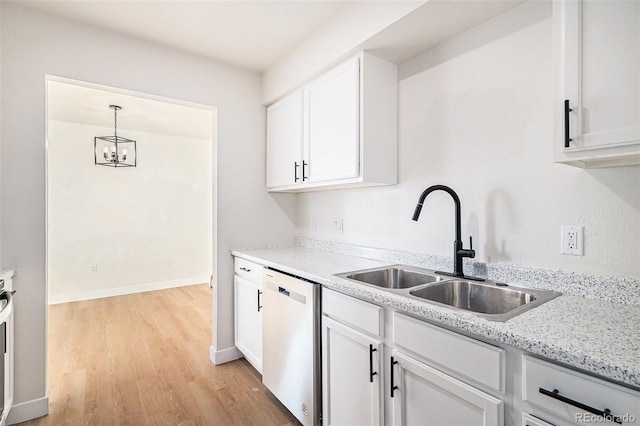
470	242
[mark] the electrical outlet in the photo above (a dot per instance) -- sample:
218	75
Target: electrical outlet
571	240
337	225
314	223
94	267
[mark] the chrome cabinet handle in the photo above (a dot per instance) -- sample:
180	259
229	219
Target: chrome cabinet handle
295	171
242	268
304	166
259	305
606	413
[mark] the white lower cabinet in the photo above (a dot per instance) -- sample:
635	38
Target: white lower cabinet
564	396
249	321
425	396
352	377
248	312
383	367
368	380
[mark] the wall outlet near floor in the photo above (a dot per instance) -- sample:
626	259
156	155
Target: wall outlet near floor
337	225
571	240
94	267
314	223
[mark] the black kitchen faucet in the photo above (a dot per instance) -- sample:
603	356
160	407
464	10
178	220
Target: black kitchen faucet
459	253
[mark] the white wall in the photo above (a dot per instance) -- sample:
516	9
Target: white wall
35	44
143	227
340	37
1	261
476	114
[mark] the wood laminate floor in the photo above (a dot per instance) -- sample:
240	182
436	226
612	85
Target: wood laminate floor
142	359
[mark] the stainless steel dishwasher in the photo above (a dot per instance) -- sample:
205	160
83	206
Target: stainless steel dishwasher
291	344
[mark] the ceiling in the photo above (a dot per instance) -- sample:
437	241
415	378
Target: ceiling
253	35
88	105
257	34
249	34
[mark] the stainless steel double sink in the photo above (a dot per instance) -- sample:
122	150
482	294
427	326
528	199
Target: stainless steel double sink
487	299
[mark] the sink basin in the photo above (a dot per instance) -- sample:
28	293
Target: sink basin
487	299
392	277
498	302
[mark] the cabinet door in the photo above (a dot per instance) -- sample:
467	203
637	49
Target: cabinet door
284	141
352	376
248	319
529	420
333	124
599	55
425	396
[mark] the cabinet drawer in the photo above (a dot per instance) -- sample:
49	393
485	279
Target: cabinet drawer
477	361
362	315
576	389
248	270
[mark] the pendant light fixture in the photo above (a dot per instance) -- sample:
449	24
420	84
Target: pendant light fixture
114	151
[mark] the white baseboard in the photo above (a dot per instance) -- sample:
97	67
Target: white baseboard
121	291
218	357
29	410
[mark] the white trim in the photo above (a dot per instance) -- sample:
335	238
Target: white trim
120	291
29	410
218	357
82	83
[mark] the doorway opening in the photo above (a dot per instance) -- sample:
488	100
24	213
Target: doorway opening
114	231
129	250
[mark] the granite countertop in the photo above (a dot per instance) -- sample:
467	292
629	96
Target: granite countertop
593	335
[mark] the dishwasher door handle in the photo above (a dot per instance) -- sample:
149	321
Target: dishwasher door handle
284	291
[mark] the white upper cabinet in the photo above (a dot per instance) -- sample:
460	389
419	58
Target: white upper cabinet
284	141
339	130
333	112
597	88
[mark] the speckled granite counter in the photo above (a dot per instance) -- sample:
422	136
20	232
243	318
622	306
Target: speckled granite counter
594	335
